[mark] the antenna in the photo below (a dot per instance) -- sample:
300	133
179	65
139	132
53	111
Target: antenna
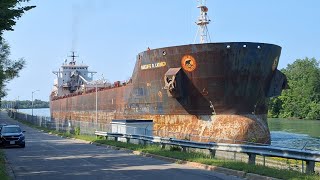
73	56
202	22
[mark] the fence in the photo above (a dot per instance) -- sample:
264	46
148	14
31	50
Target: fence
60	125
172	138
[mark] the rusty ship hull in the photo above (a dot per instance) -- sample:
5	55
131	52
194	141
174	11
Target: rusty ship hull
216	90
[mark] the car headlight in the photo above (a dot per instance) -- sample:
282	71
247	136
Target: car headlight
22	137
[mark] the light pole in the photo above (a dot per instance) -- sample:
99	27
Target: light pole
97	105
32	102
17	104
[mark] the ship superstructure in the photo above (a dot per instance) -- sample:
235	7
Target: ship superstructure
74	77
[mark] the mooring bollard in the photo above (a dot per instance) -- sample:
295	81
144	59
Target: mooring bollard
252	159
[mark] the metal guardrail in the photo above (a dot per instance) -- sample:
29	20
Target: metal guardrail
310	157
252	150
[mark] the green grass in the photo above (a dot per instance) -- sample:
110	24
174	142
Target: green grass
193	157
289	161
3	172
205	159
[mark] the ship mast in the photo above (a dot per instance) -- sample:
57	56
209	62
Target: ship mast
202	22
73	56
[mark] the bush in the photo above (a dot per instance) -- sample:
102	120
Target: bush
77	131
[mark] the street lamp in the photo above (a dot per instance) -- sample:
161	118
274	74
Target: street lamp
32	102
17	104
97	105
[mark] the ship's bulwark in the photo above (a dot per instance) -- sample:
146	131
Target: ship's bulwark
218	90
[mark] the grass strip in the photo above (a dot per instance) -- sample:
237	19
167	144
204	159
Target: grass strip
191	156
3	172
205	159
290	161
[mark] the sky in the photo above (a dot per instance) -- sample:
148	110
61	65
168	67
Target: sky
107	35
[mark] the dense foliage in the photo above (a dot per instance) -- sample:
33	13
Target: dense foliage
25	104
302	100
10	11
8	69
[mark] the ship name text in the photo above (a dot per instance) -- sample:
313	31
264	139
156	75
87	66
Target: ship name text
153	65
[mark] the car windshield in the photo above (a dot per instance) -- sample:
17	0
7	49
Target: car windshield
10	129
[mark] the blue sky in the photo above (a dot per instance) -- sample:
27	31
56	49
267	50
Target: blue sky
107	35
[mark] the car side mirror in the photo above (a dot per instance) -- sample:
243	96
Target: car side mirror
23	131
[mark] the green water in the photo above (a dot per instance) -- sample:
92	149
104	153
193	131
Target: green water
298	134
309	127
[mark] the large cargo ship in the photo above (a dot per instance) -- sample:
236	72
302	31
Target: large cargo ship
216	90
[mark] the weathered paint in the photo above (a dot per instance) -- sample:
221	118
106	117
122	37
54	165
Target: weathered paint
224	96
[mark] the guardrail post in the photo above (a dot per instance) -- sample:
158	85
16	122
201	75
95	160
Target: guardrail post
115	138
212	153
128	140
252	158
184	149
163	146
143	142
310	167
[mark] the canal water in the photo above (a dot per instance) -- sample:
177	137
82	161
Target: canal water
37	112
297	134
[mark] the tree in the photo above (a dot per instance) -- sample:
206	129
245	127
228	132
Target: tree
8	69
275	105
302	100
25	104
10	11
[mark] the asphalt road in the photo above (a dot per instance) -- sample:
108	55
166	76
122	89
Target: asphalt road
50	157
